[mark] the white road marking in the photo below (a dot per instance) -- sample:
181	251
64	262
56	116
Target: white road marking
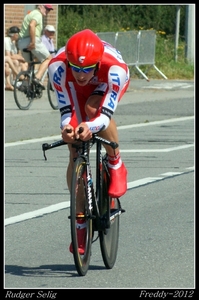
168	86
37	213
150	150
190	168
148	180
157	150
130	185
168	174
57	137
63	205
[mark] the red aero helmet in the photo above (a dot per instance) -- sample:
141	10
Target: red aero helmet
84	48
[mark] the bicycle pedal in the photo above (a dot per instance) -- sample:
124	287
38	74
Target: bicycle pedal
105	232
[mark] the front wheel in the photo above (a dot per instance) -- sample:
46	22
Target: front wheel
51	95
79	193
110	211
23	90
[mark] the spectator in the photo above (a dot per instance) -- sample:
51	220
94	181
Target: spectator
12	51
47	38
9	69
30	38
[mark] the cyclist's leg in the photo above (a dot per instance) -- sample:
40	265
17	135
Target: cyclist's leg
22	44
81	224
117	169
43	55
72	156
80	202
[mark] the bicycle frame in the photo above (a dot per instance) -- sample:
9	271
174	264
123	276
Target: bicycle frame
29	91
83	150
32	63
101	212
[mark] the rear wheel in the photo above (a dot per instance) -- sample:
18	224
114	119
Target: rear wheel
23	91
110	211
51	95
79	189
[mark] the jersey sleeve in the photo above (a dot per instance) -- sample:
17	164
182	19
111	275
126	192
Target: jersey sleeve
57	75
118	80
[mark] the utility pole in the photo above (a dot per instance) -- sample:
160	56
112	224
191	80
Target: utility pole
177	31
189	33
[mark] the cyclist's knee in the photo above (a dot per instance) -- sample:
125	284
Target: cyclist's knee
16	62
73	153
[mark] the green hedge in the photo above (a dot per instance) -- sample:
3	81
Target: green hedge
103	18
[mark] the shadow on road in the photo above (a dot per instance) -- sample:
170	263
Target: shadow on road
46	270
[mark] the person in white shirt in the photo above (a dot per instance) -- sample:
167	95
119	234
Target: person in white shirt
11	50
47	38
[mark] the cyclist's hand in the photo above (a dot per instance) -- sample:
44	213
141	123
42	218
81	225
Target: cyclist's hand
85	133
31	46
68	134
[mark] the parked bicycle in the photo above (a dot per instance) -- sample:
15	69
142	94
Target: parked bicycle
101	212
25	90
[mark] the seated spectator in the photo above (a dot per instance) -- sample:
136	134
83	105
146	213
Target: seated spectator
47	38
12	51
9	69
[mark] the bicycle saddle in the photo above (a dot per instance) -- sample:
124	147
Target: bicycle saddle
26	50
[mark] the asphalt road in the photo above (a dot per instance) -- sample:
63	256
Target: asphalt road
156	247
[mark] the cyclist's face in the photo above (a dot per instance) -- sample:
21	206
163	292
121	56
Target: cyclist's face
83	78
44	11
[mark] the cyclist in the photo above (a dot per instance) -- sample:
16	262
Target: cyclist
90	77
30	38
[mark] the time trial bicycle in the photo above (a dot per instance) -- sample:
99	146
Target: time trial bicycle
101	212
25	90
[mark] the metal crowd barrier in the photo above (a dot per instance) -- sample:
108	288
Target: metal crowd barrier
137	47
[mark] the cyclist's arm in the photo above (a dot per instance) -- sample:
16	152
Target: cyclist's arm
32	29
57	76
117	80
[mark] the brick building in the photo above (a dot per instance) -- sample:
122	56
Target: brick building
14	14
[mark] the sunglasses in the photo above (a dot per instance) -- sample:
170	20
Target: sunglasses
85	70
